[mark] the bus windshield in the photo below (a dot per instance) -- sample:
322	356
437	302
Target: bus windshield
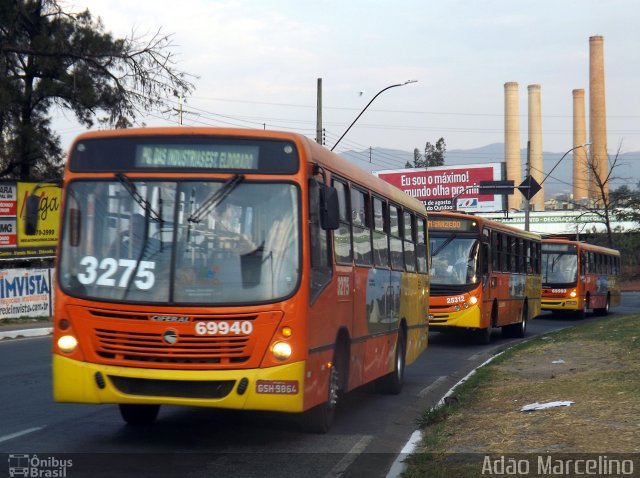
559	268
214	242
454	260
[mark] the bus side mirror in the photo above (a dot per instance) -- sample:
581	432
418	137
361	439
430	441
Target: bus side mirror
329	209
32	210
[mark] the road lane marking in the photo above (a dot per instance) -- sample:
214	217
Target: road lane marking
350	457
423	393
19	434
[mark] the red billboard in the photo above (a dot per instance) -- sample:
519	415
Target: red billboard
438	187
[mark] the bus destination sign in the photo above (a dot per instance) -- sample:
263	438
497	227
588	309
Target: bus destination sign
452	224
202	156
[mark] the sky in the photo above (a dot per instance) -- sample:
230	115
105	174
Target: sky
257	65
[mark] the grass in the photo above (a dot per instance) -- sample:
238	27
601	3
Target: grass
595	365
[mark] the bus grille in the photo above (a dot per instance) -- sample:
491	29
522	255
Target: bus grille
143	347
173	388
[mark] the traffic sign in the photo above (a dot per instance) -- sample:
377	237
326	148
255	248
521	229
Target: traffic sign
529	187
496	187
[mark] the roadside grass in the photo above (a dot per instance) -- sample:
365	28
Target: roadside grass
24	320
596	365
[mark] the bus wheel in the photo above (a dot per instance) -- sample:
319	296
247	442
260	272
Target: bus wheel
320	418
604	310
517	330
139	414
391	383
582	312
483	336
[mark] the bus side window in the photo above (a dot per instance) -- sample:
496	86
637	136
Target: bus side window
380	239
395	238
319	238
484	253
421	246
361	227
342	235
409	241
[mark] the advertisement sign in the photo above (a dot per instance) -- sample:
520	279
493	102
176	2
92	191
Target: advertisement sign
14	243
25	293
440	187
48	217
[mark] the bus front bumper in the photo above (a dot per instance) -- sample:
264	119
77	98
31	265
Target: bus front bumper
560	304
275	389
465	319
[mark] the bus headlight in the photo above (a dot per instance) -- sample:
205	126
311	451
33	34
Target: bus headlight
67	343
573	293
281	350
473	300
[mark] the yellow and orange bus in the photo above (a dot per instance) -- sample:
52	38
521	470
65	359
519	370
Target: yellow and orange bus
577	276
484	274
229	268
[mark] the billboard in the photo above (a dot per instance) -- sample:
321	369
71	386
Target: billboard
14	243
438	187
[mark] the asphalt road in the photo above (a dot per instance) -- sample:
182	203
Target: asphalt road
369	432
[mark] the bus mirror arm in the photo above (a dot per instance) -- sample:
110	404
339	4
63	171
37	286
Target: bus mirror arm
329	215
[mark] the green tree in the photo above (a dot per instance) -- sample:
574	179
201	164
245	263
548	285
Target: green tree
433	155
52	58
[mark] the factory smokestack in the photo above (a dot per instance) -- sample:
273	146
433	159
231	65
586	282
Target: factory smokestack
599	161
580	169
512	141
535	141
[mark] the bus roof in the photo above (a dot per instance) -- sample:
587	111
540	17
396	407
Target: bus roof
583	246
310	151
485	222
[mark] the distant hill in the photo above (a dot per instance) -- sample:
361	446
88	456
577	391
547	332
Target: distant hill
559	181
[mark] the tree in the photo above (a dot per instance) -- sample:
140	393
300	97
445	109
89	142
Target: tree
610	206
52	58
433	155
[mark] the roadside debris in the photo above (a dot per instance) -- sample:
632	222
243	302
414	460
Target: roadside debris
541	406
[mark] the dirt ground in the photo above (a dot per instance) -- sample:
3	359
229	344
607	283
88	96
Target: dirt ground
600	376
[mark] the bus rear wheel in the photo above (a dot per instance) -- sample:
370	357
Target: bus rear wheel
391	383
138	415
604	310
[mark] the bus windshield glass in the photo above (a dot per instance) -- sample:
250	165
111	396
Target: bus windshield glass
454	260
214	242
559	268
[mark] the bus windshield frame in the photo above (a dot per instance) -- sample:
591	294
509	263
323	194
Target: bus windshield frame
206	242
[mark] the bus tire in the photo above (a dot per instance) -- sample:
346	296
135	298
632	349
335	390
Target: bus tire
604	310
582	312
391	384
519	329
139	415
320	418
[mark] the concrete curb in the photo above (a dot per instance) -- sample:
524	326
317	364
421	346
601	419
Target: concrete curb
34	332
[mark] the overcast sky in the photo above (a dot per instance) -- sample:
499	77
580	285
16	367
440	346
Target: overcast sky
258	63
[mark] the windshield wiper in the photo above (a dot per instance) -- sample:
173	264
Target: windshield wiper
142	202
216	198
443	245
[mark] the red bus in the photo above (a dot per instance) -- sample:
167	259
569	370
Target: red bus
577	277
484	274
229	268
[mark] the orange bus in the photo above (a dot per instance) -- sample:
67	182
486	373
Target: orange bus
229	268
484	274
577	276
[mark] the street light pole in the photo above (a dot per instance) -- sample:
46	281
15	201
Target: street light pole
363	110
556	165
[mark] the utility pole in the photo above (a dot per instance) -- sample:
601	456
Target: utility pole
527	205
319	114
